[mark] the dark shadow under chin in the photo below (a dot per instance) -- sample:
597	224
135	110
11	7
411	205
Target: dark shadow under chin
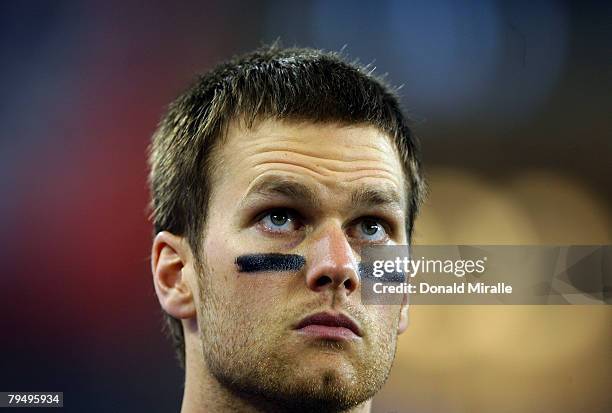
326	396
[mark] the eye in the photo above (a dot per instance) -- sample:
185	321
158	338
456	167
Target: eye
371	229
279	221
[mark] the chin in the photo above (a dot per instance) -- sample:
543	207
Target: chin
327	361
331	390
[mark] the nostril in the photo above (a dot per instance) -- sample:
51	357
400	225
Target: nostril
348	284
323	280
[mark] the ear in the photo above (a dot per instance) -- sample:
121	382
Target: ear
403	318
170	260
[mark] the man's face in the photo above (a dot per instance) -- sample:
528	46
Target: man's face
323	192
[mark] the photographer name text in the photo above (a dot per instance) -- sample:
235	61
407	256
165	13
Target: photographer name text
454	288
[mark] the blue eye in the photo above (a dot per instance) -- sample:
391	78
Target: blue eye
278	220
371	230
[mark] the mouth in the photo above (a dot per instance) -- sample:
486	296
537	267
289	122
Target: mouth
330	326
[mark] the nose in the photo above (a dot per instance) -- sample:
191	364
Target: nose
332	263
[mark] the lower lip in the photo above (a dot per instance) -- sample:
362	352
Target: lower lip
328	332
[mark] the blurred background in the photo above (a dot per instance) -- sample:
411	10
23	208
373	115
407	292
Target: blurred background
511	100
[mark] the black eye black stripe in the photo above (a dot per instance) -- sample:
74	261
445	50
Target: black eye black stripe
270	262
252	263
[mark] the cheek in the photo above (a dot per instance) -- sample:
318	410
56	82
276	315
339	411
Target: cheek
242	294
386	319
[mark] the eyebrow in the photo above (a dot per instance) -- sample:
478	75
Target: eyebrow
370	197
286	187
362	197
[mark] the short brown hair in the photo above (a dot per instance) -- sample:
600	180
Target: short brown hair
292	84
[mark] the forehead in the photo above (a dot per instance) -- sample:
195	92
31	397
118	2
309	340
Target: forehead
331	156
